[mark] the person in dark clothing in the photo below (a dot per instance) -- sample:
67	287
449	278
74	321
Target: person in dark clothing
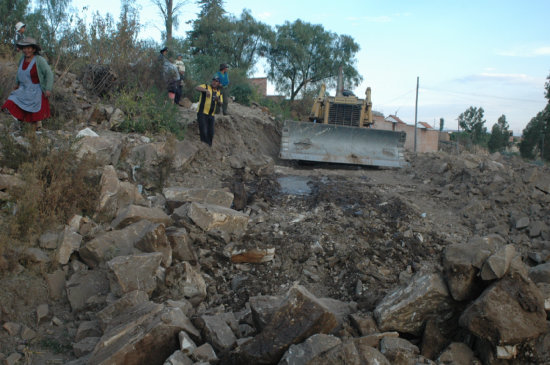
223	75
209	99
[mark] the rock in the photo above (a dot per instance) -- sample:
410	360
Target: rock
42	311
303	353
13	328
407	309
213	217
135	213
217	332
540	273
9	182
205	354
135	272
69	241
351	352
85	346
178	195
183	304
489	316
82	285
115	195
116	118
363	323
240	197
13	358
155	240
498	264
433	340
185	281
187	345
106	148
301	314
182	247
48	240
461	263
27	333
253	256
56	284
144	334
34	254
178	358
120	306
373	339
88	329
395	348
522	222
263	307
458	353
108	245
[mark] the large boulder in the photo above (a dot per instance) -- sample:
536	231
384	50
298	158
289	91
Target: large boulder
301	315
408	308
508	312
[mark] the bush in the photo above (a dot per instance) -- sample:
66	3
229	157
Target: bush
148	112
56	185
242	93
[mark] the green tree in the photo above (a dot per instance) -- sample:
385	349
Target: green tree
249	40
473	124
536	135
304	55
47	23
12	11
208	39
500	135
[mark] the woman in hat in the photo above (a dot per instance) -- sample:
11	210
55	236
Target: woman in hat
28	102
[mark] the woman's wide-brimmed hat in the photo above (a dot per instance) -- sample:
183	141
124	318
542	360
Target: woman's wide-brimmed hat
29	41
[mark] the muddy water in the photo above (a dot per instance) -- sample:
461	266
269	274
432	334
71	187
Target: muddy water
295	185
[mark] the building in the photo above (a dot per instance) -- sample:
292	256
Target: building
427	138
259	84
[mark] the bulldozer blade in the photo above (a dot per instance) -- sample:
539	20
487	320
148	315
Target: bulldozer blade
341	144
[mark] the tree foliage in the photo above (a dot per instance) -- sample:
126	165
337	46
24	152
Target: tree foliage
536	135
473	124
304	55
12	12
500	135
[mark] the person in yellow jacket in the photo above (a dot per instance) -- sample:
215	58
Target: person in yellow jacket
210	98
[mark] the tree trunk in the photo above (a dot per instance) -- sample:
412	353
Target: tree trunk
169	20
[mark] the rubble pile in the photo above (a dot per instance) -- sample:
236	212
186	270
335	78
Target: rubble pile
228	255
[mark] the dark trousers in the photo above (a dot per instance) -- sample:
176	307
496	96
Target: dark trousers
206	127
179	91
225	96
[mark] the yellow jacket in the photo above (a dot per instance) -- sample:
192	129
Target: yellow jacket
207	105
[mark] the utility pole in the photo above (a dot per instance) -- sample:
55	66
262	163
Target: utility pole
416	112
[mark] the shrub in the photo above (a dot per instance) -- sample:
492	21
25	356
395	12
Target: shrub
148	112
242	93
56	186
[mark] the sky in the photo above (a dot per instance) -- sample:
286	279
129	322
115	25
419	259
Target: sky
493	54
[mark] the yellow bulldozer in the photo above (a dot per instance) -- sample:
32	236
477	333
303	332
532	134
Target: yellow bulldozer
340	130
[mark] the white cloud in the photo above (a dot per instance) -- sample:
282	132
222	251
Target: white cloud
543	51
525	52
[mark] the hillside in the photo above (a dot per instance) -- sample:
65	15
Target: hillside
231	255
